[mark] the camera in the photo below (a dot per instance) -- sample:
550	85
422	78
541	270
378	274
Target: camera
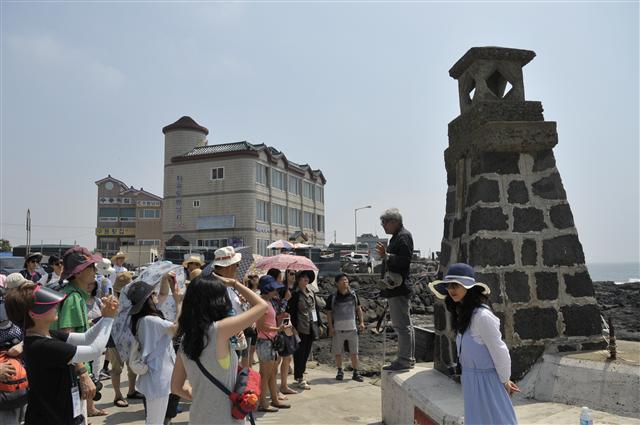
98	385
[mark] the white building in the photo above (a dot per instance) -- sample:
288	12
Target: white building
236	193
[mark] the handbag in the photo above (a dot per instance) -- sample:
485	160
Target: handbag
278	344
245	395
291	344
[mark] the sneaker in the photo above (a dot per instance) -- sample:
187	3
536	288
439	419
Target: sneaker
395	367
104	374
340	375
412	364
357	377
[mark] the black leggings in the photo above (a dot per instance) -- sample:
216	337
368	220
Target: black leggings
301	356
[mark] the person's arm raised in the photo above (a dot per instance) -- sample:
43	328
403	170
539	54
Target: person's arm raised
230	326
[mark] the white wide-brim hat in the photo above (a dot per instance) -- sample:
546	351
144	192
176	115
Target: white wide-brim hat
460	273
224	257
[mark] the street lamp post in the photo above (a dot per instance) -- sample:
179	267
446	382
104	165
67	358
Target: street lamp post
355	219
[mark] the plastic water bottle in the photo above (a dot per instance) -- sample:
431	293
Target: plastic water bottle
585	417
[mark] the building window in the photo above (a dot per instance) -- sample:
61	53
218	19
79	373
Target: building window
196	203
307	190
320	223
148	213
277	179
107	214
277	214
308	220
261	210
320	194
149	242
294	217
261	247
294	185
217	173
261	174
127	214
213	243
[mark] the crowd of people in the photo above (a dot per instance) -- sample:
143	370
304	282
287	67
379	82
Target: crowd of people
60	324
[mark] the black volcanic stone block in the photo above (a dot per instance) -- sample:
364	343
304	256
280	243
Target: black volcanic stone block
536	323
581	320
446	233
491	252
579	285
547	285
561	216
495	162
445	355
522	358
562	251
484	190
439	316
445	253
516	285
500	317
543	160
451	177
493	282
529	252
488	219
528	220
567	348
600	345
460	226
463	256
549	187
518	193
451	202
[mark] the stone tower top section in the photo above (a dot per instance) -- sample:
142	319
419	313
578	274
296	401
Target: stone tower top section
490	74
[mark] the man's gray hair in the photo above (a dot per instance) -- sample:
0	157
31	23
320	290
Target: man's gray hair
392	214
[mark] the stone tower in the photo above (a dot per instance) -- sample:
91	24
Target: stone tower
507	215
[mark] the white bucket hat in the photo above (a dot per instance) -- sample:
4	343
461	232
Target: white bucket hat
224	257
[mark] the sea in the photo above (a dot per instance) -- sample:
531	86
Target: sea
615	272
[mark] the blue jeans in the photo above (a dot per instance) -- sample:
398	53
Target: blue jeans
400	309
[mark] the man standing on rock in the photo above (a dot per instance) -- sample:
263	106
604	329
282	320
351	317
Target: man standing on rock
396	260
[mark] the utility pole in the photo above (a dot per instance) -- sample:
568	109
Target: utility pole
28	232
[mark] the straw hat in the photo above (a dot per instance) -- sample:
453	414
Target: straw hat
120	254
193	259
122	280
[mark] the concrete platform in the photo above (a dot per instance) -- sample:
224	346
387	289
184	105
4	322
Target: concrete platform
328	402
424	394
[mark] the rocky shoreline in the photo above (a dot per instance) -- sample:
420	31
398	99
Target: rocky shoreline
620	302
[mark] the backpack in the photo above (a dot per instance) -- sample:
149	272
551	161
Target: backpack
245	395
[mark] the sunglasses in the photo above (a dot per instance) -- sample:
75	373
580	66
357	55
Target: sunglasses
292	274
58	263
34	261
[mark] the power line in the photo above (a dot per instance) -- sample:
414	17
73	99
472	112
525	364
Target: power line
50	226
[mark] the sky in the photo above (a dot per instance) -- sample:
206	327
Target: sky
359	90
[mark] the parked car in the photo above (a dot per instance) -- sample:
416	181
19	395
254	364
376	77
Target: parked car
357	258
10	265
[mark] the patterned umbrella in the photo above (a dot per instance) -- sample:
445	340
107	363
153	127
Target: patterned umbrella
152	275
280	244
286	261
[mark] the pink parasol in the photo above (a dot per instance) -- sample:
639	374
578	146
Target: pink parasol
285	261
280	244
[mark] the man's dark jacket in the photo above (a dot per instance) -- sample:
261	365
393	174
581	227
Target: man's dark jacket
399	253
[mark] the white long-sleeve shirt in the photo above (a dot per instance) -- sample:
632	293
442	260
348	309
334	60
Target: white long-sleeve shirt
485	330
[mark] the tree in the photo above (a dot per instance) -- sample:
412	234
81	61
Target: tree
5	246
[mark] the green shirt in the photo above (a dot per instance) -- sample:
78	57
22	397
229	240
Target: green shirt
72	312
